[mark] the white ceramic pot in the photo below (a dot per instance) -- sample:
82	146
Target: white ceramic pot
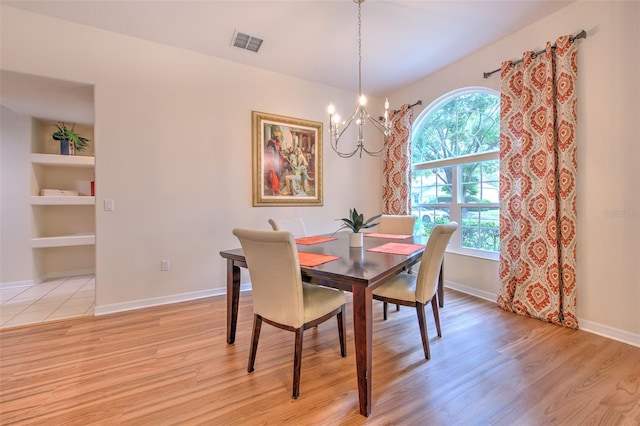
356	239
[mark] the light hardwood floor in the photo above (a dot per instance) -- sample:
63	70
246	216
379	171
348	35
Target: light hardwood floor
171	365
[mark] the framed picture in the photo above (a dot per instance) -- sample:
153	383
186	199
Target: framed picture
287	161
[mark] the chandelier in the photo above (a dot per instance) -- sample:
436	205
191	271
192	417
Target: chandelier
360	115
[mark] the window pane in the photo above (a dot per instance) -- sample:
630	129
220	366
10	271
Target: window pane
481	228
431	186
480	182
466	124
431	191
490	189
427	218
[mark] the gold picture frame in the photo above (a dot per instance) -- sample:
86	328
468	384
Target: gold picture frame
287	160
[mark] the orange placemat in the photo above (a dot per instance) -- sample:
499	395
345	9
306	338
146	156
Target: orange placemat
389	236
397	248
314	259
313	240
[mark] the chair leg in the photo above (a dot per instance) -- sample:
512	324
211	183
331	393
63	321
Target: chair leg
441	285
255	335
385	308
423	329
297	362
342	332
436	315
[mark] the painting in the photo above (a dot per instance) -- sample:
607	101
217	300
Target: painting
287	161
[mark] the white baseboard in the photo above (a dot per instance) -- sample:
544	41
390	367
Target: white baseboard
17	284
609	332
49	276
163	300
491	297
585	325
64	274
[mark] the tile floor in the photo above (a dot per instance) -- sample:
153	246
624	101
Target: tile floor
50	300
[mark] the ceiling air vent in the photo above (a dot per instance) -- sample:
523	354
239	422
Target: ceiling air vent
245	41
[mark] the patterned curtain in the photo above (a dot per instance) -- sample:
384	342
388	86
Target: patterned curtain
538	123
396	173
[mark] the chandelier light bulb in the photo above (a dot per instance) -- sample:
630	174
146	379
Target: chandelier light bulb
363	100
331	109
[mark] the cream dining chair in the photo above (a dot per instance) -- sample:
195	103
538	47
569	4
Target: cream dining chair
280	298
416	290
294	225
405	225
396	224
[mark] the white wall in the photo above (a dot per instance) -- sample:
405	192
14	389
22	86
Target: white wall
608	156
173	149
15	226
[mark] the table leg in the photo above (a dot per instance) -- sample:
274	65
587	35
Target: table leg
362	328
233	296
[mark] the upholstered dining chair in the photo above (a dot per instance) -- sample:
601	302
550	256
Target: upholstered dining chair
416	290
294	225
280	298
404	225
396	224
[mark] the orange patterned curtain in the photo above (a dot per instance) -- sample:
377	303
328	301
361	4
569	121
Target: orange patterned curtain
538	166
396	173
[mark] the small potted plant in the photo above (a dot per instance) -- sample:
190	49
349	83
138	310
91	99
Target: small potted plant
355	221
68	138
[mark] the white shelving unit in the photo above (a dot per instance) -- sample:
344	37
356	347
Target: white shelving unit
65	241
61	221
63	160
63	201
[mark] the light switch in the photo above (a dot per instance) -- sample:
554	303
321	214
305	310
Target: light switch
109	205
164	265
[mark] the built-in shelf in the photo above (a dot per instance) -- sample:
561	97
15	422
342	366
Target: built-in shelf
55	166
63	241
63	160
62	200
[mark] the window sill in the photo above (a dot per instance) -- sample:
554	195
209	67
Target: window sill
479	254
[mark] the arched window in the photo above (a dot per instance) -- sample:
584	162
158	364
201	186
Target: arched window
455	168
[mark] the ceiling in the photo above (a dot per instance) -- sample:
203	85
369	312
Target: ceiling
402	41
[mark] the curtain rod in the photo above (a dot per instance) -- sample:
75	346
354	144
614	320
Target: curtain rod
418	102
581	34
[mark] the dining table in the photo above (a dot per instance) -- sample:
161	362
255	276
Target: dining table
328	260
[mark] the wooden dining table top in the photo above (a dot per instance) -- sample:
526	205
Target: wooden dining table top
355	265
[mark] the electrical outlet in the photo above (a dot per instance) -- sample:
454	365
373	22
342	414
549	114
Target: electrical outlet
164	265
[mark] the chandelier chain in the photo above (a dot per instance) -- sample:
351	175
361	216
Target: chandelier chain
359	48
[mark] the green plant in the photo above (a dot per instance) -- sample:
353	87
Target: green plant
356	221
66	133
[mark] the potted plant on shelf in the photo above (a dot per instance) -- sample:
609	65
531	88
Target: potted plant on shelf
70	141
355	221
